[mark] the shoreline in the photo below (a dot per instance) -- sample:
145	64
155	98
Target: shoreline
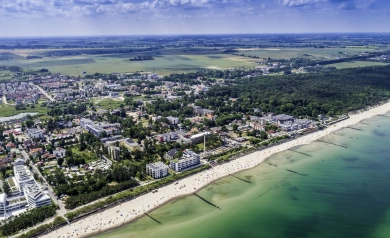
132	210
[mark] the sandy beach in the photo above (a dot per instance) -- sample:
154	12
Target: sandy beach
128	211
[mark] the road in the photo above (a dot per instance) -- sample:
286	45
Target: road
107	160
45	93
49	190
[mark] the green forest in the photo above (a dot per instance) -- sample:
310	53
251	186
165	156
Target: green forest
303	95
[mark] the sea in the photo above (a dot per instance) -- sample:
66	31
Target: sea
335	189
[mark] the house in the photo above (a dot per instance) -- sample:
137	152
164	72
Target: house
130	144
6	160
59	152
47	157
19	161
173	120
34	133
170	154
198	138
84	122
29	144
114	152
36	152
283	119
113	94
202	111
172	136
157	170
10	146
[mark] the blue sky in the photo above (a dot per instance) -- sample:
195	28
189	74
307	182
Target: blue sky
137	17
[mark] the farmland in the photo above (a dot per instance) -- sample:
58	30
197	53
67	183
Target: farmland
166	61
180	54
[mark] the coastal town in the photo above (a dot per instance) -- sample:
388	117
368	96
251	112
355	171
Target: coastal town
142	128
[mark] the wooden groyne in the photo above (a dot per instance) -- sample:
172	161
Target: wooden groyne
332	143
364	123
383	116
152	218
337	134
239	178
212	204
350	127
292	171
271	164
300	152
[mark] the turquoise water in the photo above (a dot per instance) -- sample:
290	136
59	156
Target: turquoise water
338	192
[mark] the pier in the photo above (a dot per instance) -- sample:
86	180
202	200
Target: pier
207	201
383	115
353	128
332	143
292	171
240	178
300	152
364	123
152	218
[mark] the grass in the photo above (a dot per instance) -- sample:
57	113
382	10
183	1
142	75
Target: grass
87	155
11	182
7	110
5	75
168	60
209	145
355	64
109	103
315	53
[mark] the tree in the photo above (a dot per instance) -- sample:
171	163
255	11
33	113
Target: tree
60	161
7	188
12	138
235	127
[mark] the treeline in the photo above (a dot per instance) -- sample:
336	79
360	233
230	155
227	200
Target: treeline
69	109
333	92
78	200
142	58
27	219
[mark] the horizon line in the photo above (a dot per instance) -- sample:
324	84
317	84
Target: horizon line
191	34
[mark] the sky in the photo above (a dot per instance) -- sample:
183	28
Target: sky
158	17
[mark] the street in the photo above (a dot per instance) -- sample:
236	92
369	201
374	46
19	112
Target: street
49	190
45	93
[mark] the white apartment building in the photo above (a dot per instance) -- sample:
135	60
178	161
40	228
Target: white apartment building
188	159
157	170
35	197
34	133
22	177
3	204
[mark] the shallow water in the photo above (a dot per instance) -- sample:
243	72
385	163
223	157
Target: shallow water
338	192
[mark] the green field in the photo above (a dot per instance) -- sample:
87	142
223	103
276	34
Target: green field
355	64
5	74
7	110
109	103
313	53
166	61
